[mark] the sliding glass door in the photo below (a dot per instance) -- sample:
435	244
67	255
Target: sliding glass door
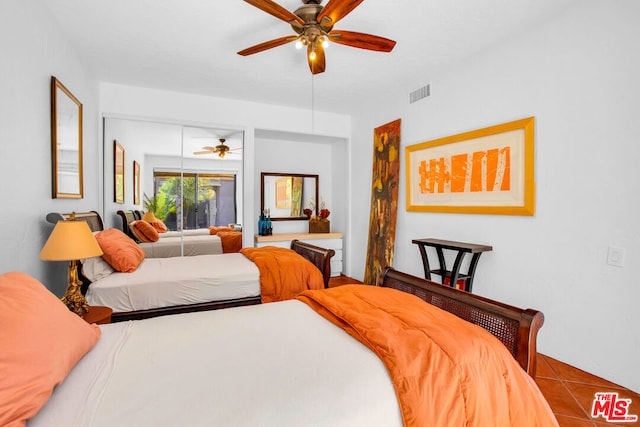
193	200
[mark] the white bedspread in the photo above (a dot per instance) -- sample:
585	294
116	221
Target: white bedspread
190	232
166	282
193	245
277	364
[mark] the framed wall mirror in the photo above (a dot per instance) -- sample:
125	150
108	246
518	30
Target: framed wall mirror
136	183
286	195
66	143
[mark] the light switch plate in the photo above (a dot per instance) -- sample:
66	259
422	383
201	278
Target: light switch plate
615	256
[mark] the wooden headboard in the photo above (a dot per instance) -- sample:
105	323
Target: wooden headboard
127	217
92	218
516	328
320	257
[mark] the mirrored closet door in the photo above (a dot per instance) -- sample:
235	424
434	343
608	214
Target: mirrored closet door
189	177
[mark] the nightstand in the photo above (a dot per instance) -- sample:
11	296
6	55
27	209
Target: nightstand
98	314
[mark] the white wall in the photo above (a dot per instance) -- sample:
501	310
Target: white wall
578	75
32	50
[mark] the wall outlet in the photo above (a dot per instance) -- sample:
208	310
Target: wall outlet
615	256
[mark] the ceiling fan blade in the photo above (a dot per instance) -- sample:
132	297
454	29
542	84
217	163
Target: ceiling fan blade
318	64
274	9
207	147
203	152
337	9
361	40
267	45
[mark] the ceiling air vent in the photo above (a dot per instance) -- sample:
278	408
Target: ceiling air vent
419	94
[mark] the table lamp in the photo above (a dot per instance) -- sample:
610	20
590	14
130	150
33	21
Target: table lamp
149	217
72	241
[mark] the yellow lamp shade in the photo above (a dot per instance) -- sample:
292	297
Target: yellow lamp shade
148	217
70	240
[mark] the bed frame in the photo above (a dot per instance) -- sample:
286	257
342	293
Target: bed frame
516	328
320	257
127	217
92	218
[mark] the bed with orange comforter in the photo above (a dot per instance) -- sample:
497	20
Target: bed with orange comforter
350	356
433	356
160	286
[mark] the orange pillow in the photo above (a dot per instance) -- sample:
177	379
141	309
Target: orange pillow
159	226
120	251
144	231
215	230
231	241
41	341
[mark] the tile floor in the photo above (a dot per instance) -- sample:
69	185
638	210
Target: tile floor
570	393
569	390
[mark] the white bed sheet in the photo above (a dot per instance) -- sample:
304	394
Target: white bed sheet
166	282
190	232
277	364
193	245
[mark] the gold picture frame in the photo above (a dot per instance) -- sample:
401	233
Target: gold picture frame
485	171
136	183
118	173
66	143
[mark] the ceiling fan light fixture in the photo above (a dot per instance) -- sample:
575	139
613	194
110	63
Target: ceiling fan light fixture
313	24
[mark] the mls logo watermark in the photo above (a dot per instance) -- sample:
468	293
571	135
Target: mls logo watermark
612	408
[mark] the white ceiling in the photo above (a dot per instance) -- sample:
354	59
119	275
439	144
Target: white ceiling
191	45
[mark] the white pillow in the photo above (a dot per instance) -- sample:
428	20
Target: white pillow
96	268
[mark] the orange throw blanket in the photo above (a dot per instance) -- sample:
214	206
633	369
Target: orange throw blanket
283	273
231	241
446	371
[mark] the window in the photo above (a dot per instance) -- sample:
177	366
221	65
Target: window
208	199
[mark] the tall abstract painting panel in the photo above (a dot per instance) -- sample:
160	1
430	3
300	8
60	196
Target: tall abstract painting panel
384	200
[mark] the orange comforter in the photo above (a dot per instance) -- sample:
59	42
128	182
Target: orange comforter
283	273
446	372
231	241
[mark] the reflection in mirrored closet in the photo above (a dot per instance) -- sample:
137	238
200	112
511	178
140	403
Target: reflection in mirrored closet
190	176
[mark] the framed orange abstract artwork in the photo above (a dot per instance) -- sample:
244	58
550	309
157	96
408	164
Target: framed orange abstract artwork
485	171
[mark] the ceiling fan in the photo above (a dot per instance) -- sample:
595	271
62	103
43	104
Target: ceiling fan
313	24
221	149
